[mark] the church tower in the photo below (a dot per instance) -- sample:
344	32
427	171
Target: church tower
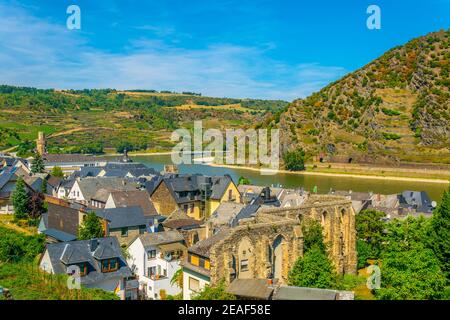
40	143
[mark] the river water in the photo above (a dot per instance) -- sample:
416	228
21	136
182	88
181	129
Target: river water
323	183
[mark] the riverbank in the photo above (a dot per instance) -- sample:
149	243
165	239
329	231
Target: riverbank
416	174
336	174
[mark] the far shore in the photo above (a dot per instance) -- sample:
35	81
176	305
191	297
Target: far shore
310	173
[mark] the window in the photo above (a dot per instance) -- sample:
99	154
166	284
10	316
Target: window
185	208
244	265
192	207
141	230
165	272
151	271
124	232
194	284
110	265
230	195
151	254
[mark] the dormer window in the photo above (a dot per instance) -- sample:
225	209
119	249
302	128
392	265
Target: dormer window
82	266
110	265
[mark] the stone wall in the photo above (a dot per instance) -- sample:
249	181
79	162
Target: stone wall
270	243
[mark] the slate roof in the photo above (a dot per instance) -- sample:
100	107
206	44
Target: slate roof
251	288
122	217
134	198
225	212
73	158
186	188
181	224
59	235
90	186
62	254
246	212
86	172
158	238
302	293
10	161
202	248
418	200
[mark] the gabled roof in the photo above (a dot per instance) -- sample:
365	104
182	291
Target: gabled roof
158	238
123	217
225	212
134	198
193	185
202	248
86	172
91	185
63	254
73	158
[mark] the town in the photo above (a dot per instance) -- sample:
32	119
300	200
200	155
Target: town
117	225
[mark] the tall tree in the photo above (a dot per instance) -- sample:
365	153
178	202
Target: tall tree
440	233
36	206
369	229
313	270
37	164
294	160
312	236
90	228
20	200
243	180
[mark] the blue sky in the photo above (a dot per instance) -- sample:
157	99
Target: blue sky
259	49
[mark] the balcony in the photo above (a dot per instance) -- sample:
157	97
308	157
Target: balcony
156	277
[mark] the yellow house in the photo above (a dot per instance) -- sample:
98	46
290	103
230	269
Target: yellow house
197	195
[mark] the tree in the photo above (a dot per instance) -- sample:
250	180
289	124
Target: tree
37	165
57	172
439	235
369	228
313	270
214	293
243	180
312	236
177	278
20	200
44	186
411	274
90	228
36	206
294	160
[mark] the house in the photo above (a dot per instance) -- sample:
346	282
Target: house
99	261
8	180
418	201
123	223
73	162
116	169
139	198
197	265
61	222
94	191
197	195
191	229
155	259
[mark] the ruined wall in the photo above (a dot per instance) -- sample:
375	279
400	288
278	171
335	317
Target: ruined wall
257	240
337	218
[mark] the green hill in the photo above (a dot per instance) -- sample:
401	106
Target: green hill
94	121
394	109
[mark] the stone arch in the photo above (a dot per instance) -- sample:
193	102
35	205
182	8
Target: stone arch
245	259
277	257
326	224
345	229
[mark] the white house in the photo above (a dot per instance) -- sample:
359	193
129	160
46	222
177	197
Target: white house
99	261
155	258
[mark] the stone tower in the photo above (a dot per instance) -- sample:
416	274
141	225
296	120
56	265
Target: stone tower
40	143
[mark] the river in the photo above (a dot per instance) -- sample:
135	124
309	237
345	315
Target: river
323	183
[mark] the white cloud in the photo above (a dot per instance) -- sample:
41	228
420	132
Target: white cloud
37	53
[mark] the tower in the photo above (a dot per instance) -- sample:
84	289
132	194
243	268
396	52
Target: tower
40	143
